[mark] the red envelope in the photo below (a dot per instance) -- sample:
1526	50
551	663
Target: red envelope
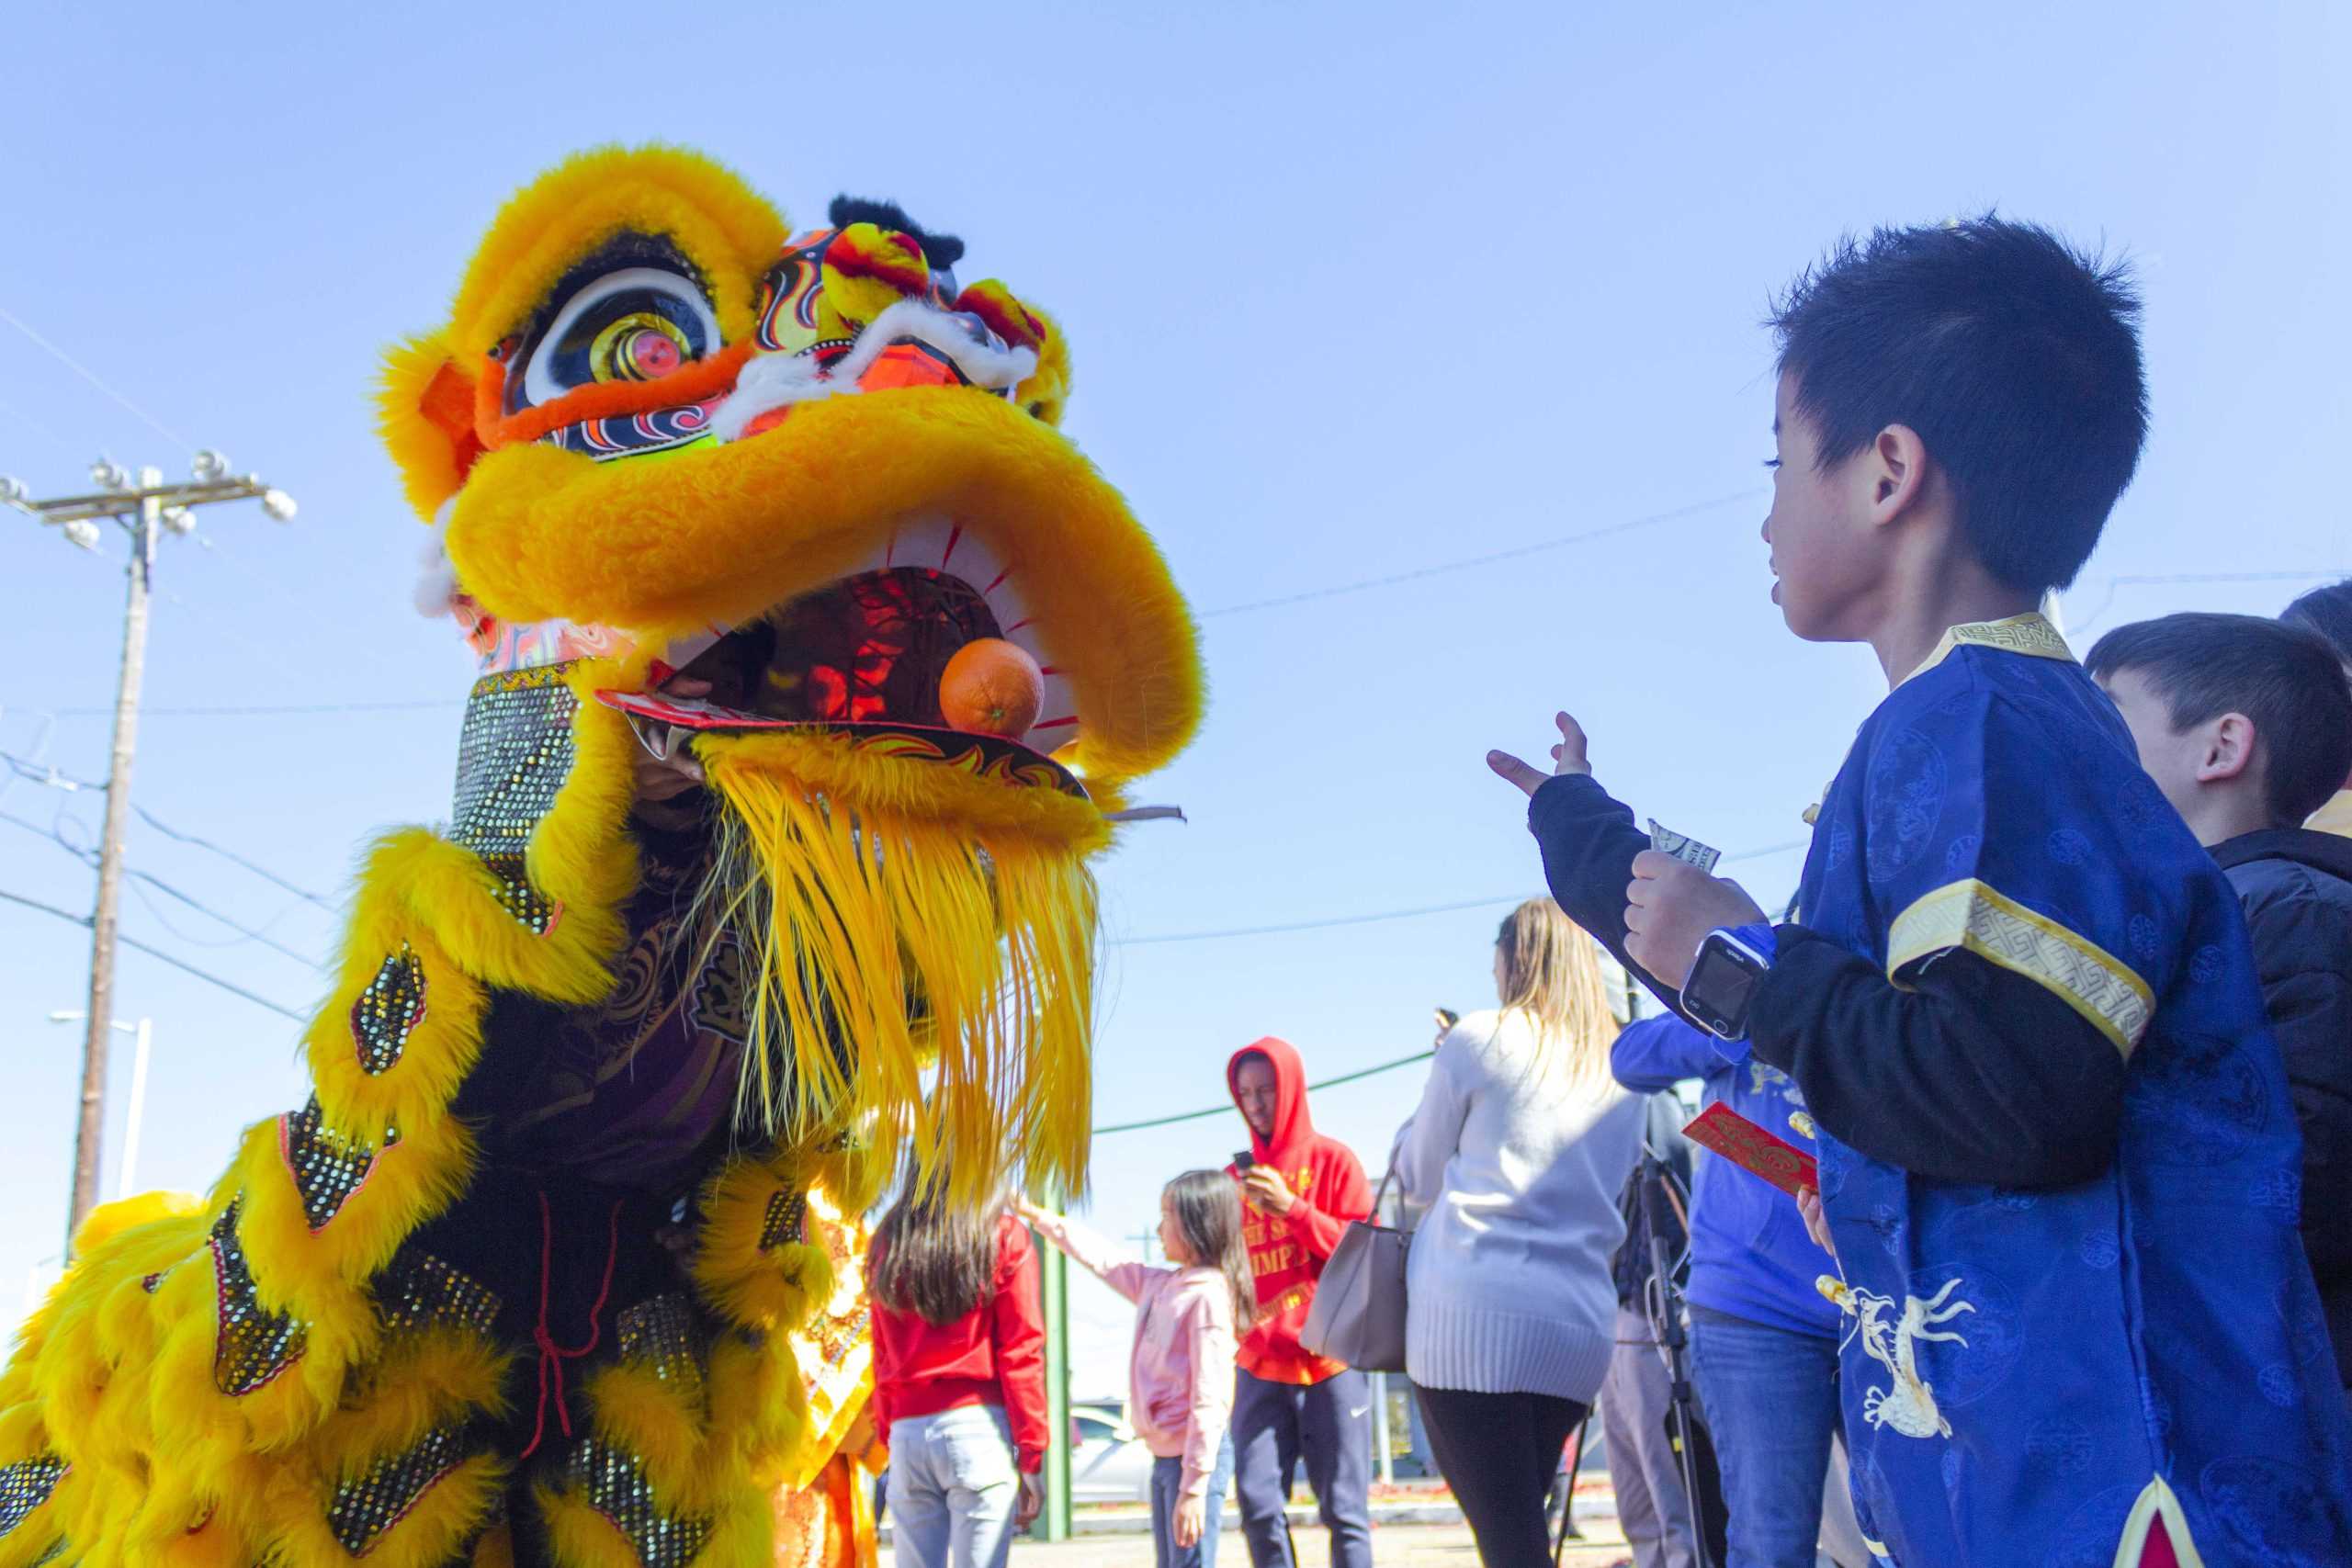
1748	1145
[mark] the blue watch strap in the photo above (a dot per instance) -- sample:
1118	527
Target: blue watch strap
1758	935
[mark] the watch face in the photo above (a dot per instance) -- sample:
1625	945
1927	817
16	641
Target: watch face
1723	981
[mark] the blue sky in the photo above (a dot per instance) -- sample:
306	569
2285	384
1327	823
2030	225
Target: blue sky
1354	290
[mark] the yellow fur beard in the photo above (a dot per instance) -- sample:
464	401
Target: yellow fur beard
918	955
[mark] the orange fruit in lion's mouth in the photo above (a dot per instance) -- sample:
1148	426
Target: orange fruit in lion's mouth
991	687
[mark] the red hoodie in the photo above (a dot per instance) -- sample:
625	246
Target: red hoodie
1287	1251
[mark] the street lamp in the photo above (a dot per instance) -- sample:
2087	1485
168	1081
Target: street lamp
144	1032
145	508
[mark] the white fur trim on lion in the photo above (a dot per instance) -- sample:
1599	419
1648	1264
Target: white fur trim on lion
980	354
436	581
771	381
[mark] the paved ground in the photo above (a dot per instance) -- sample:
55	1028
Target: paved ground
1393	1546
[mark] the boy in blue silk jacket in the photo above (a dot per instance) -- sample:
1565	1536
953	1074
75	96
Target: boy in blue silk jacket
2059	1162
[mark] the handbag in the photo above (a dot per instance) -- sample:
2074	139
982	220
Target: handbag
1358	1314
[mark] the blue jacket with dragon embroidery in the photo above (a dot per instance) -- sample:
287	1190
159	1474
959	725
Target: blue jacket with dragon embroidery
2047	1376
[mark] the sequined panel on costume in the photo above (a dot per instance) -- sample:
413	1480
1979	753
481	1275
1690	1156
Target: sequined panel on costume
663	1333
515	895
419	1290
369	1503
251	1347
389	1011
326	1167
788	1210
25	1485
513	755
613	1484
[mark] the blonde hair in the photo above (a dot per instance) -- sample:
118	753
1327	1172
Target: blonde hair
1550	973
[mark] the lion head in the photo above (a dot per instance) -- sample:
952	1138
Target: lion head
670	446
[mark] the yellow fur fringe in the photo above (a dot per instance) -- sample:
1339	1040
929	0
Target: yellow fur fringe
772	1290
857	902
719	535
726	231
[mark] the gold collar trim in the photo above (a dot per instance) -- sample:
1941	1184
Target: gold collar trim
2030	634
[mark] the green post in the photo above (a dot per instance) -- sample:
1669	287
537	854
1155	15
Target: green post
1056	1282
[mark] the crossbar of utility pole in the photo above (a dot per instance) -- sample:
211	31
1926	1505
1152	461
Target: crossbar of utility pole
146	508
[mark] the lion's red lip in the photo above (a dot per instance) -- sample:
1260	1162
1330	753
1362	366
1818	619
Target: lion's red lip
658	719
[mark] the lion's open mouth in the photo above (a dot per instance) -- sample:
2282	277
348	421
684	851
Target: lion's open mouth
864	653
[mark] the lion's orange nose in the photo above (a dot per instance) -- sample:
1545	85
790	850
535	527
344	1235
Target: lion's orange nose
991	687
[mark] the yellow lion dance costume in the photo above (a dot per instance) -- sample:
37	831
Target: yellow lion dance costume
717	505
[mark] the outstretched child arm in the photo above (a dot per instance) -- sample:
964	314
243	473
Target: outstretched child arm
1653	1054
1589	841
1089	1251
1967	1071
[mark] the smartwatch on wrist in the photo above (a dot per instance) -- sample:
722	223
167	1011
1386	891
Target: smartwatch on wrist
1722	980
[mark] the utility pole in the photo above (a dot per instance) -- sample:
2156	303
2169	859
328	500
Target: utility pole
145	509
126	1180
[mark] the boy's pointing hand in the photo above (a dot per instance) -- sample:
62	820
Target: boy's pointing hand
1670	906
1567	757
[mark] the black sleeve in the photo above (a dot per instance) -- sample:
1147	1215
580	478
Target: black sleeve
2302	948
1589	843
1973	1073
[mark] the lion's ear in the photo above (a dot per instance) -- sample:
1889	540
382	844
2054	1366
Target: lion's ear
1023	326
425	411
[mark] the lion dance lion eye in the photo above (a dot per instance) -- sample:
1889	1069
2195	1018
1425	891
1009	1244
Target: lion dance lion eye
641	346
636	323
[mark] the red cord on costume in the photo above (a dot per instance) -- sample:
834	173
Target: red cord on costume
553	1355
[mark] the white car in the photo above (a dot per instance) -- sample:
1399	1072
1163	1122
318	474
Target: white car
1108	1463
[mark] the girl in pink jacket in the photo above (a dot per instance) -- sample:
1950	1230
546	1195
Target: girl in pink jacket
1179	1378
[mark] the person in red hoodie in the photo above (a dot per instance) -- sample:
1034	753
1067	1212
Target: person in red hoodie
959	1379
1301	1190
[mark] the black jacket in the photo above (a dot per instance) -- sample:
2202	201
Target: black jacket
2296	888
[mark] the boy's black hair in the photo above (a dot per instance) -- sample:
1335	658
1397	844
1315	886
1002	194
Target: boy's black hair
2014	357
2288	679
2327	611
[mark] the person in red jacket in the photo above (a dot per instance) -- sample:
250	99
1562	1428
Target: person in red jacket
1288	1404
959	1381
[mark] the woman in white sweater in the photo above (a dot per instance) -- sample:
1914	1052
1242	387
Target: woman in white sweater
1515	1159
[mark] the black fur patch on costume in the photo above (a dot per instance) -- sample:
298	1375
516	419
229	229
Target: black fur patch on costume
939	250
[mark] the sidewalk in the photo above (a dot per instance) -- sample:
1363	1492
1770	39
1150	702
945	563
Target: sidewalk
1408	1531
1393	1546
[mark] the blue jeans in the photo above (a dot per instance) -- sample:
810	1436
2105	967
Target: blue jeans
1167	1481
953	1481
1770	1399
1329	1425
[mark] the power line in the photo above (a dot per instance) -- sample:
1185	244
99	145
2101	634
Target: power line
274	710
180	963
90	376
39	773
261	709
1222	1110
1469	562
88	857
2167	578
245	932
1392	914
232	858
